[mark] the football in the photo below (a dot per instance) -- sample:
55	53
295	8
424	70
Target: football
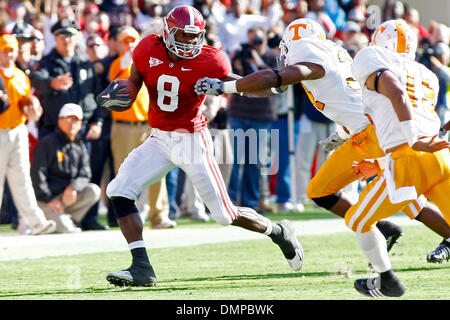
130	89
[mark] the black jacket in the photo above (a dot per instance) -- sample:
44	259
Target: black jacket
58	162
82	92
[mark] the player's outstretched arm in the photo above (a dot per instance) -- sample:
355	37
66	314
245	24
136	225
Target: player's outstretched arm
262	80
387	84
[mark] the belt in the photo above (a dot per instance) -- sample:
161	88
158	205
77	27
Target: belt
135	123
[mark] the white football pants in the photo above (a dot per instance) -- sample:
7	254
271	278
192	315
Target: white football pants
193	153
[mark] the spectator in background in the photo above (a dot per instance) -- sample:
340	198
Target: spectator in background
63	11
309	156
439	64
151	11
119	12
101	155
292	11
64	77
17	12
24	33
413	19
316	11
253	116
96	49
233	29
60	172
14	155
130	129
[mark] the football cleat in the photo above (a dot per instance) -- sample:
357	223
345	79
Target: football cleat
133	277
375	288
289	245
441	253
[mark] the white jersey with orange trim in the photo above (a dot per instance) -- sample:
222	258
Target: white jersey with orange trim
420	83
337	95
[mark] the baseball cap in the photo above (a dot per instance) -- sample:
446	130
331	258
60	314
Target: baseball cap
128	32
8	41
71	110
23	30
65	26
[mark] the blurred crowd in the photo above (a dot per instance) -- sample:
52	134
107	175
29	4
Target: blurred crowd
87	43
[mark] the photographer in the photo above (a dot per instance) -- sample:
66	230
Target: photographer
250	113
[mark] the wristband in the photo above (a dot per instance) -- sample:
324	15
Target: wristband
229	87
278	77
409	131
344	135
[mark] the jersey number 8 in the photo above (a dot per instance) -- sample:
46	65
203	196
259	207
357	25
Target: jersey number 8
168	97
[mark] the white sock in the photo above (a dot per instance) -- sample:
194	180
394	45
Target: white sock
137	244
373	245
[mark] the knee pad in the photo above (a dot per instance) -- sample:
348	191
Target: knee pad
123	207
327	202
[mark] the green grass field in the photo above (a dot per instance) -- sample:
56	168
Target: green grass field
243	270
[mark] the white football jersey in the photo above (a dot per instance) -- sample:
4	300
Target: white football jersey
420	83
337	95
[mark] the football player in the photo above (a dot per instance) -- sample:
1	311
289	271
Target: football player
169	65
399	96
324	70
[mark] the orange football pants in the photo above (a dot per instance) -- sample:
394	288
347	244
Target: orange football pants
428	172
337	172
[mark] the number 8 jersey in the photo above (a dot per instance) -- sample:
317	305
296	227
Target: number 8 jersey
337	95
173	103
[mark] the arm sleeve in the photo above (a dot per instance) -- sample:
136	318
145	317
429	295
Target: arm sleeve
39	171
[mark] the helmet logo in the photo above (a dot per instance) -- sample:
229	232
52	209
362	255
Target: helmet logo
296	27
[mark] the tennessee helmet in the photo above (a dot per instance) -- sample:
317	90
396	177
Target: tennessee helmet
300	29
188	20
397	36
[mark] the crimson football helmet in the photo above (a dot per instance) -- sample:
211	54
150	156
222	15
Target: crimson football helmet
189	20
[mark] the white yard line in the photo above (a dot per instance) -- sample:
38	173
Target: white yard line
33	247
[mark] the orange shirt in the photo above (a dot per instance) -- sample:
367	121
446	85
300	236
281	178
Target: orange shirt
139	110
17	87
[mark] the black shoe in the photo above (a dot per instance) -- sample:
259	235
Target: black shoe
390	231
95	226
133	277
375	288
289	245
441	253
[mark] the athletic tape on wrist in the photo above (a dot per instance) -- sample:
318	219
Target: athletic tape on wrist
229	87
409	131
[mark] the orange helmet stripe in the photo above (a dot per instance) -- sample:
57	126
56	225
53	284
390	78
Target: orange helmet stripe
401	38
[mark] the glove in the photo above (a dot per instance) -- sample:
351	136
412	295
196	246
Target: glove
332	142
111	99
212	87
442	132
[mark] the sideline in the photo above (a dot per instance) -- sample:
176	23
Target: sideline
35	247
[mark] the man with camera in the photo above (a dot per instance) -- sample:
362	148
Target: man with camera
253	55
